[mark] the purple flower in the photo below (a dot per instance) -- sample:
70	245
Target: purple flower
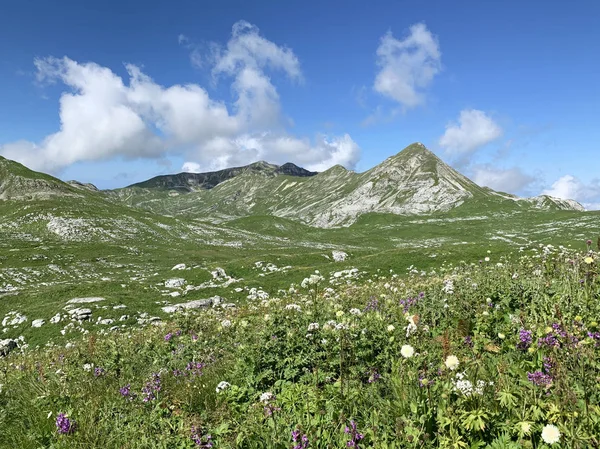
64	425
204	441
355	436
539	378
126	392
374	376
468	341
168	336
151	388
372	305
301	441
99	371
525	339
269	409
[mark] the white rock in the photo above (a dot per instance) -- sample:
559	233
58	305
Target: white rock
84	300
6	346
38	323
174	283
339	256
106	321
179	266
174	294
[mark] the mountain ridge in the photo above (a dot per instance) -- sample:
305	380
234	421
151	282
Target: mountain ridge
414	181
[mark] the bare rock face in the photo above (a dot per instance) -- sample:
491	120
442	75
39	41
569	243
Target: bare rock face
174	283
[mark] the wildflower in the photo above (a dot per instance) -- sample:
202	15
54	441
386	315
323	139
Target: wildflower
203	441
301	441
355	436
222	386
525	339
98	371
295	307
487	259
168	336
65	425
87	367
313	327
525	427
589	260
126	392
266	397
339	313
355	312
226	323
152	386
374	377
501	336
550	434
539	378
451	362
391	328
407	351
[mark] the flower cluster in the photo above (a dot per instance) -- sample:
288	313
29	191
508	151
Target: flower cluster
152	387
355	435
300	441
64	425
203	441
525	339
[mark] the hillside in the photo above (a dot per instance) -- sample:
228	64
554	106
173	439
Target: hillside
17	182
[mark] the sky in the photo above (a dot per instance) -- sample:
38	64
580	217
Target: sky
113	93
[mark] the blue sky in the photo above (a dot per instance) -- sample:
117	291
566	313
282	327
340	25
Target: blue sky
116	92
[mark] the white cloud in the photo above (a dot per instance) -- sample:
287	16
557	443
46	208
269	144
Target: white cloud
407	66
191	167
569	187
505	180
473	130
102	116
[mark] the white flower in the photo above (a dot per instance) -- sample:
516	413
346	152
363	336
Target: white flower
407	351
391	328
87	367
226	323
266	397
355	312
295	307
267	317
451	362
222	386
550	434
525	427
313	327
487	259
501	336
339	313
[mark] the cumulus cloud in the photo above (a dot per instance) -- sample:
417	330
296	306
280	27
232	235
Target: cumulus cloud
407	66
569	187
473	130
505	180
103	116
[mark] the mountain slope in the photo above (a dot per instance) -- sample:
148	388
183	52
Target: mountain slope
17	182
188	182
415	181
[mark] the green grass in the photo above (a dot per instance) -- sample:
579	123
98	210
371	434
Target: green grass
351	368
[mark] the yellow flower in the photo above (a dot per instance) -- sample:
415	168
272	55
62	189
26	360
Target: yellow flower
588	260
525	427
451	362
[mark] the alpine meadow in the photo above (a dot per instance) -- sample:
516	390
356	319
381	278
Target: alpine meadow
254	254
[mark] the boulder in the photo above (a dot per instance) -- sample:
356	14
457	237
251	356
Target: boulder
6	346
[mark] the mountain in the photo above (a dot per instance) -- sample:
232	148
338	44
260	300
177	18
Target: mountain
414	181
188	182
